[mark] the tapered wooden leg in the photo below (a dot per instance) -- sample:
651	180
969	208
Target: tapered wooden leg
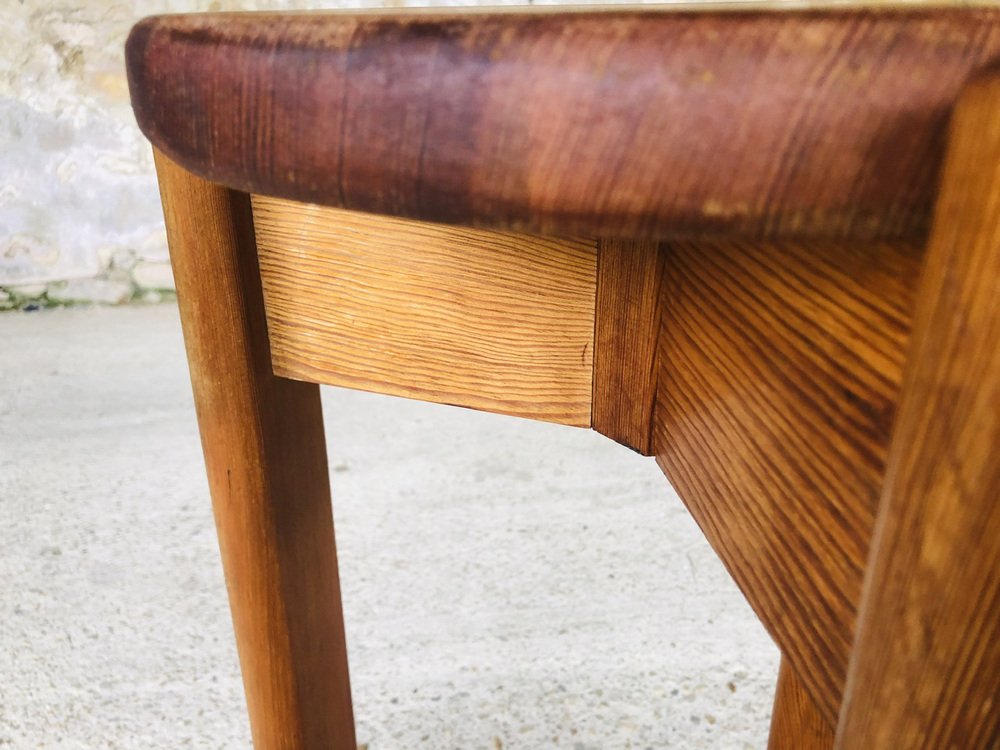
796	723
264	451
925	671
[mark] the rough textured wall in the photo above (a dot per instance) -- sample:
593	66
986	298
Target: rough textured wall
79	212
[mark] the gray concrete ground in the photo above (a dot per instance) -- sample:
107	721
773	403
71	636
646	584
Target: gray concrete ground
507	584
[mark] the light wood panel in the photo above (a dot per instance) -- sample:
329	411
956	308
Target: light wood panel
925	674
627	323
652	123
494	321
265	456
796	723
779	369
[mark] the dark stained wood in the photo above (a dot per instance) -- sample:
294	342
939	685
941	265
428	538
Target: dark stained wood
266	460
779	369
616	124
925	673
796	723
625	328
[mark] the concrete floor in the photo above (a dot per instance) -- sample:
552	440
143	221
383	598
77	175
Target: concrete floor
507	584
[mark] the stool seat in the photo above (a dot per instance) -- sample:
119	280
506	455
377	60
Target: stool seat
652	123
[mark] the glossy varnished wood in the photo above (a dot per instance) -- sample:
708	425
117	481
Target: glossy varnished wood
495	321
779	369
617	124
796	723
266	461
625	334
925	674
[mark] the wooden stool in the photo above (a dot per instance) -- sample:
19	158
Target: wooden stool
747	243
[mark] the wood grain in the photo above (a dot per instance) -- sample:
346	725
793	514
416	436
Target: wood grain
926	667
615	124
779	369
796	723
494	321
625	334
266	460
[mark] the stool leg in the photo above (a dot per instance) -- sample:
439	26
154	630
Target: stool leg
925	670
796	723
266	460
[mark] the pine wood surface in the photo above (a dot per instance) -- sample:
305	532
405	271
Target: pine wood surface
265	456
625	334
779	369
628	123
770	178
494	321
796	723
926	669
